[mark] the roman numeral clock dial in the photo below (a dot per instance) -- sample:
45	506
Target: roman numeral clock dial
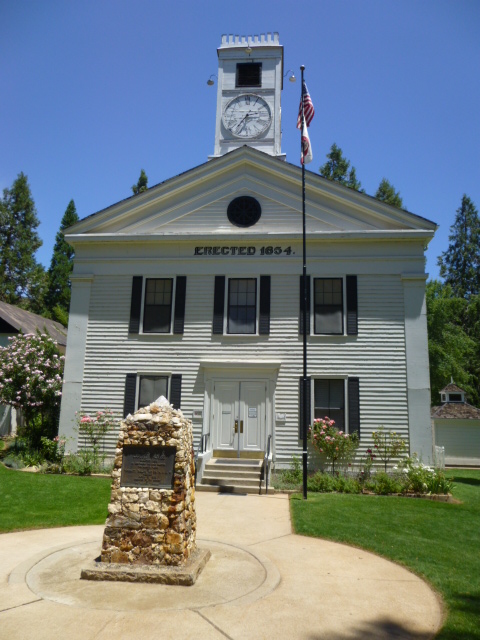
247	116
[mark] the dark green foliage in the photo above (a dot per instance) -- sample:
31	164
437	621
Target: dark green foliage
460	263
57	298
326	483
142	184
337	169
386	193
453	340
20	275
383	484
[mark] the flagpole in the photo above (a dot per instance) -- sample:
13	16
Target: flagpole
304	416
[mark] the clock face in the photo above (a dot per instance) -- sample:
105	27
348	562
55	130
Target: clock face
247	116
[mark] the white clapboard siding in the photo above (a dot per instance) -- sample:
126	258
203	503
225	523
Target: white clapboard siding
376	355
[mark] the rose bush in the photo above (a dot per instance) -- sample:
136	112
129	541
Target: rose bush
335	445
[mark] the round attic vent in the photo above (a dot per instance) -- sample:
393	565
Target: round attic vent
244	211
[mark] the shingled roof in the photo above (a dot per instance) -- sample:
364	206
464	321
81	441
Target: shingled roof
456	410
452	387
15	320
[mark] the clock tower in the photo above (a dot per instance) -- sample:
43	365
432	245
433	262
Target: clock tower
250	81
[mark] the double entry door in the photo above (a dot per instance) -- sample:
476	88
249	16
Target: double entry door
239	415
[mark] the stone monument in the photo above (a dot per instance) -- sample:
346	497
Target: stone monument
150	532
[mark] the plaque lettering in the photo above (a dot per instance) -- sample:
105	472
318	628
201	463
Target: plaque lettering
148	466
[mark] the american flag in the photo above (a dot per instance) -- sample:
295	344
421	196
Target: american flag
308	110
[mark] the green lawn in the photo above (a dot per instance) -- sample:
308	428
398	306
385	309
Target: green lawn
436	540
33	500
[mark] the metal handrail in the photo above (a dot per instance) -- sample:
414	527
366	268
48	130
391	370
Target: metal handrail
202	447
266	458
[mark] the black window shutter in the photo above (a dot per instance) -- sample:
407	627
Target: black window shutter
218	304
176	390
264	323
179	313
352	306
308	305
354	405
301	401
130	391
135	304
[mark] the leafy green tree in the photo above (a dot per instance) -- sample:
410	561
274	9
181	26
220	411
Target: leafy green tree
336	168
386	193
142	184
19	240
460	263
57	298
453	340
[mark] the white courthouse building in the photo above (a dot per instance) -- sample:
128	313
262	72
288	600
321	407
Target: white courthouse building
191	289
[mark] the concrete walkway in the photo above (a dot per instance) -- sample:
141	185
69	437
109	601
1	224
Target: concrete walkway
261	582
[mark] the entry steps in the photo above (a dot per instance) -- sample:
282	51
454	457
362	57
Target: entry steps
233	475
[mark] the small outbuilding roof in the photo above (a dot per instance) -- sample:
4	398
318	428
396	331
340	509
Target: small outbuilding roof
455	410
13	319
451	386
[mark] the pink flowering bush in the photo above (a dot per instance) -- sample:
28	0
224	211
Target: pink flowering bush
335	445
31	374
92	429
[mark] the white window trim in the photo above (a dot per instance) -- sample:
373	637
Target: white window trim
257	307
156	374
172	310
345	396
312	305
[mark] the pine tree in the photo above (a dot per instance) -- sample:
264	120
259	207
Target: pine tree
352	181
57	298
141	184
460	263
386	193
19	240
337	169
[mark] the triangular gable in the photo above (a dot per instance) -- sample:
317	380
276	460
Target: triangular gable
196	202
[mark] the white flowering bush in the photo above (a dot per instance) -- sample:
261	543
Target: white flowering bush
417	477
31	374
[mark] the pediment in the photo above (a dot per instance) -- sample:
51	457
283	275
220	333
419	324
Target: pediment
196	203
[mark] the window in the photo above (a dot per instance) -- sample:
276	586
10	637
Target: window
328	303
157	312
141	389
242	305
330	400
455	397
249	74
150	388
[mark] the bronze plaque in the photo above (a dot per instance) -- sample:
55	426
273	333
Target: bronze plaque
148	466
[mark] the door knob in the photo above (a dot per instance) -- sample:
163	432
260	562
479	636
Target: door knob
235	429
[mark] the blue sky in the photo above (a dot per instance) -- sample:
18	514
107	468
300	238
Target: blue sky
95	90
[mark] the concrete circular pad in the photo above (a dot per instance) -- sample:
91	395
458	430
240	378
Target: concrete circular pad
262	583
232	573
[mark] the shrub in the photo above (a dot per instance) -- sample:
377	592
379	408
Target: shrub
289	478
326	483
31	371
321	483
388	445
94	428
420	478
383	484
336	445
